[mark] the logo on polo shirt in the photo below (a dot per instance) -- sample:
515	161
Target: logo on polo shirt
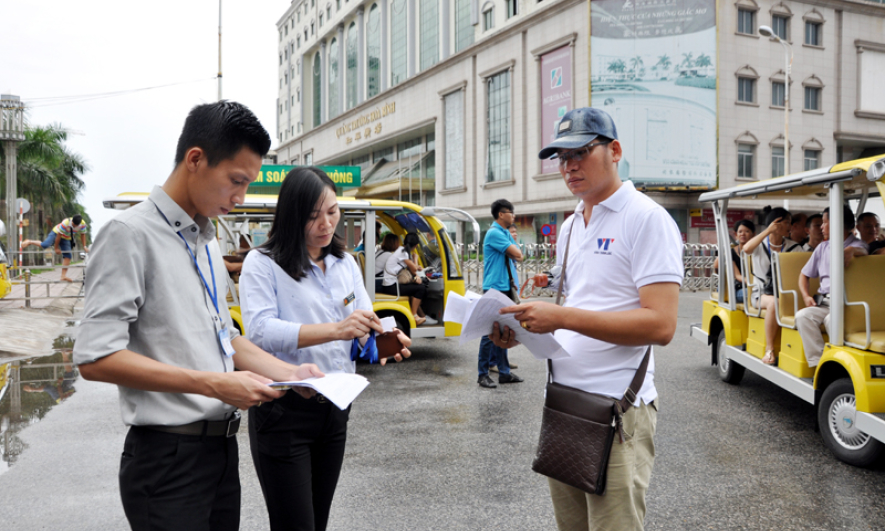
602	245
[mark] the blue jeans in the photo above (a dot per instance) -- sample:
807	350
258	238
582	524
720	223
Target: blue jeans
64	245
739	295
487	350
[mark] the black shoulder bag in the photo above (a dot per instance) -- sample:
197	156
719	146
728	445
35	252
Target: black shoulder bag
578	428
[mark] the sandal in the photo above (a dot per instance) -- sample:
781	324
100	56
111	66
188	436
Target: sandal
770	358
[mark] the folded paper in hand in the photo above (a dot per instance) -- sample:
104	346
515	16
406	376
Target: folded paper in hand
478	314
340	388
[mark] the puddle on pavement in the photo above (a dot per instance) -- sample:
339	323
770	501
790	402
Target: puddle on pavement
28	390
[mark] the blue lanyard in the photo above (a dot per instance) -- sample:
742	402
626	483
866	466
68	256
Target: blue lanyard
213	296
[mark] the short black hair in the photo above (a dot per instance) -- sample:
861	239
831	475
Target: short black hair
847	217
221	130
777	212
411	241
811	219
745	223
286	243
866	215
76	220
499	205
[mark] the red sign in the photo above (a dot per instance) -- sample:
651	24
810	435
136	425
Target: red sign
706	220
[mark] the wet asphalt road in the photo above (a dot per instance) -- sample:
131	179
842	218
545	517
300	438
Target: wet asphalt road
429	449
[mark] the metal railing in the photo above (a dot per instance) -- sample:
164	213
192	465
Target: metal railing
698	259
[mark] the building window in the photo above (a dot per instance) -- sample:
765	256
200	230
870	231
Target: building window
746	153
488	19
298	95
386	153
281	59
362	159
430	161
512	8
281	108
352	38
429	33
498	119
298	15
746	90
321	20
812	99
298	41
329	12
777	94
398	46
334	85
464	33
746	21
337	5
317	90
812	159
409	148
281	40
777	161
781	26
312	28
286	31
305	35
308	158
813	33
373	52
454	145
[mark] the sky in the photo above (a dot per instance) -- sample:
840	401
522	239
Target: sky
57	48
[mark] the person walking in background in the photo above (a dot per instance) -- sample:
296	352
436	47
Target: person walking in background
304	300
499	272
61	238
624	273
154	324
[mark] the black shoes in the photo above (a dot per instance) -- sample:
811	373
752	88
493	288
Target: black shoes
509	378
486	381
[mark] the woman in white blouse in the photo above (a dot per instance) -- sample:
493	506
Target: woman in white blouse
303	298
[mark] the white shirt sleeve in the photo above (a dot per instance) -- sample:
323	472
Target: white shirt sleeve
657	250
261	312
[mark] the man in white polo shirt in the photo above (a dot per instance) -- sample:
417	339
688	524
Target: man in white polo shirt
622	286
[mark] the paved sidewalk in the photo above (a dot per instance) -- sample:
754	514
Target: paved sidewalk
57	289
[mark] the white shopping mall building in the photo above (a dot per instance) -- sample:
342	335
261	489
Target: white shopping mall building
447	102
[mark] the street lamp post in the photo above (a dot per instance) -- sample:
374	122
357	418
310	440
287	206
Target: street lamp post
12	131
766	31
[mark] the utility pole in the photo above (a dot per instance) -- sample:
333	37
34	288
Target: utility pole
219	50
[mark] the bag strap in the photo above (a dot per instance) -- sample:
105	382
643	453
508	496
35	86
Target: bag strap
632	391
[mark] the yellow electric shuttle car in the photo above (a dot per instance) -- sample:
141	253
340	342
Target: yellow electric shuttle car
248	224
848	385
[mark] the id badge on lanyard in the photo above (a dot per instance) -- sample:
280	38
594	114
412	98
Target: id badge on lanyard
220	328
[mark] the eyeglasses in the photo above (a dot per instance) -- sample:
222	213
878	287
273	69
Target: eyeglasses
577	155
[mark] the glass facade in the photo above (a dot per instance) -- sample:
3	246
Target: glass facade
399	53
429	33
352	39
317	90
454	146
498	119
373	52
464	34
333	79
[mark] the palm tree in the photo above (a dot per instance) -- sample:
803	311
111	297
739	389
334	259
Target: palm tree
664	62
703	60
618	66
49	174
687	60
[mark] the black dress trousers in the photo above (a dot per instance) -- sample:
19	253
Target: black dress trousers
186	482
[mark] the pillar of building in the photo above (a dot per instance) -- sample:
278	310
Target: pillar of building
385	63
361	55
412	57
444	29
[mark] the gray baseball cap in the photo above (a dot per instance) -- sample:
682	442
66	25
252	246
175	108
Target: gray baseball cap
578	128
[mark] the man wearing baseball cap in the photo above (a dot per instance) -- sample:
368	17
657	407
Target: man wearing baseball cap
622	284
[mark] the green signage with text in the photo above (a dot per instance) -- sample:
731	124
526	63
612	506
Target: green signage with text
270	178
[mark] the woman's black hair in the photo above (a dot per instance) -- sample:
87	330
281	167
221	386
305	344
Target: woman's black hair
777	212
286	243
745	223
411	241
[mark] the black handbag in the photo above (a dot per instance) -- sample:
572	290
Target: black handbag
578	428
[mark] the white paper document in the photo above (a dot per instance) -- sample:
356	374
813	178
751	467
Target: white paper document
478	316
457	306
388	324
340	388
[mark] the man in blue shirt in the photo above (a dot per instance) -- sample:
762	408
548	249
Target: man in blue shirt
499	272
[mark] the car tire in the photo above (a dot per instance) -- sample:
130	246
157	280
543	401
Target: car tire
836	416
729	371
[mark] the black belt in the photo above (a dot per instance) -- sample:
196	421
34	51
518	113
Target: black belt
210	428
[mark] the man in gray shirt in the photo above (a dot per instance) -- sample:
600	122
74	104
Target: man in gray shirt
156	325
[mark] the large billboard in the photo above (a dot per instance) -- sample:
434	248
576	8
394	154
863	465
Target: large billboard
653	68
556	97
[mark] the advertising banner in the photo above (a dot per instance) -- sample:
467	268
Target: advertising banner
270	178
556	97
653	69
703	219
